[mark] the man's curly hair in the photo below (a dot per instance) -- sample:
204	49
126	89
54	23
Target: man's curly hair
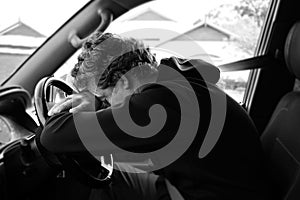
107	57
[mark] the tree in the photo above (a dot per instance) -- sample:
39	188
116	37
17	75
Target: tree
255	9
244	18
244	27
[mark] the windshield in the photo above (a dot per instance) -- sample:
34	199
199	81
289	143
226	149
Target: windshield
26	24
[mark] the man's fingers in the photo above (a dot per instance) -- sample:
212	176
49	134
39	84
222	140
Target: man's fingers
79	108
53	109
74	103
57	108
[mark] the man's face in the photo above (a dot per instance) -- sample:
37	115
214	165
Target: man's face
114	95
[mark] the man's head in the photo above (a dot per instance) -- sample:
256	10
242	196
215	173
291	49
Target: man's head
112	66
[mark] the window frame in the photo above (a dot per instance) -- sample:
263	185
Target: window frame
261	49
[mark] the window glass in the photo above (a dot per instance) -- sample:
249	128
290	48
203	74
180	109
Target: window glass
297	85
217	31
234	84
224	31
26	24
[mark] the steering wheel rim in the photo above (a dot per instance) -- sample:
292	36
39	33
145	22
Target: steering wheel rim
41	95
69	163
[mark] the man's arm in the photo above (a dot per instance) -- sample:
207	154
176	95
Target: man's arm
99	132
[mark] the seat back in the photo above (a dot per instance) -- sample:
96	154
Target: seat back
281	138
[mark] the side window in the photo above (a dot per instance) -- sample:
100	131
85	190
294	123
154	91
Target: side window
234	84
216	31
225	31
297	85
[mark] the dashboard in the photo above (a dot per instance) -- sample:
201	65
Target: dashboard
22	167
11	130
15	122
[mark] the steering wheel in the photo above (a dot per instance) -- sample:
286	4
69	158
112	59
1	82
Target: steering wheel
70	163
42	95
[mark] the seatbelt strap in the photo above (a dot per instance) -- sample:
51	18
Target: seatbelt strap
256	62
174	193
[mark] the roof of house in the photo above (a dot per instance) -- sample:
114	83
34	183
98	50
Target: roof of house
203	32
17	42
20	28
20	38
149	15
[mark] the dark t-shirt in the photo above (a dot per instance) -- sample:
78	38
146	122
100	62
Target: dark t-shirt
232	170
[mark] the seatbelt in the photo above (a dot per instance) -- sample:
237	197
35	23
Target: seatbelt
174	193
256	62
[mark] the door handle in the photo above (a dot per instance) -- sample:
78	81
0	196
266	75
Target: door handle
106	18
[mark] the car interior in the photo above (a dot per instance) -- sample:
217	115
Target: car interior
271	100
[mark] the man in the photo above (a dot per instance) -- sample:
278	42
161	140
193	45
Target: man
123	73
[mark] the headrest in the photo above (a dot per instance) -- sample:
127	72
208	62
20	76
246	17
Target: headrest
292	50
192	68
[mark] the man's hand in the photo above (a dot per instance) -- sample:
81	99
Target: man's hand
84	101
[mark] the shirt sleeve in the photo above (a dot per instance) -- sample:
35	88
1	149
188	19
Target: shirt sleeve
128	127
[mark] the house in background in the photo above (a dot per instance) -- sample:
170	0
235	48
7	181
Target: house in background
147	25
201	39
17	42
205	41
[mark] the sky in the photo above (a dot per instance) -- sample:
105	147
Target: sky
43	15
